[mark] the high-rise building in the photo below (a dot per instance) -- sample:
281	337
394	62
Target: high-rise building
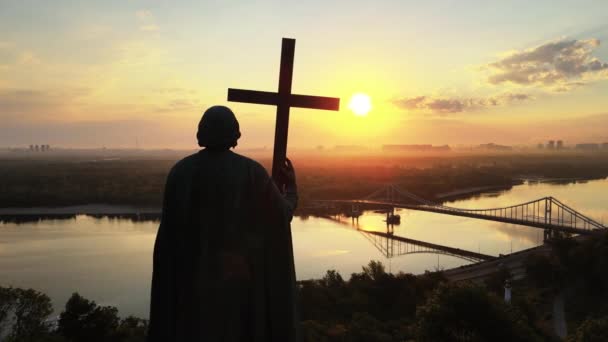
560	144
551	144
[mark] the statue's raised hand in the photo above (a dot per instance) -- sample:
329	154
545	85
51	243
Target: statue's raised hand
288	173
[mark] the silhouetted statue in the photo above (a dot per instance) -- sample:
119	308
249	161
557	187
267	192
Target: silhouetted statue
222	270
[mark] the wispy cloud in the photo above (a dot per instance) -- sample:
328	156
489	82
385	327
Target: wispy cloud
557	65
448	105
37	104
146	21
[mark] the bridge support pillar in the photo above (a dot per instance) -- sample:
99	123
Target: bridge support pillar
550	234
546	235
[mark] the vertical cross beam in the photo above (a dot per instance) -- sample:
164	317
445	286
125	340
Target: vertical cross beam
288	47
283	99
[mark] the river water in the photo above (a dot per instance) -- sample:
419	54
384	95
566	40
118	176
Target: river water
109	260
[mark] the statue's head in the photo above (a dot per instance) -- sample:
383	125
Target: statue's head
218	128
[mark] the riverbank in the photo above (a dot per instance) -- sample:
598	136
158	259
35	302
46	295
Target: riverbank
66	182
467	193
86	209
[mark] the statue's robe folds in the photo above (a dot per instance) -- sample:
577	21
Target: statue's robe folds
223	259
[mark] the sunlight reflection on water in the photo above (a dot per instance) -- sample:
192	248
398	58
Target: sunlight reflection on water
109	260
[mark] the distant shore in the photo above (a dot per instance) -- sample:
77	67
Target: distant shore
120	210
87	209
149	211
470	192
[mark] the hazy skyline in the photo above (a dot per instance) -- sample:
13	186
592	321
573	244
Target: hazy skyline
92	74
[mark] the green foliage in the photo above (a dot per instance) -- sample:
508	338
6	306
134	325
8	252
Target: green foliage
496	281
136	181
24	318
591	330
84	320
23	314
132	329
543	272
364	328
7	300
464	312
372	306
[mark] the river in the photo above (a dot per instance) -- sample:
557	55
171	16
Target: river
109	260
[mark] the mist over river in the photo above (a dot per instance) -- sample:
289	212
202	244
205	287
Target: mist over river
109	260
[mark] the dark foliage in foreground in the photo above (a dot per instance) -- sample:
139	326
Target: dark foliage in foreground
24	317
378	306
577	269
372	305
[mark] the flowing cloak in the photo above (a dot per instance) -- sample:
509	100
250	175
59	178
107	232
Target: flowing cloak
223	266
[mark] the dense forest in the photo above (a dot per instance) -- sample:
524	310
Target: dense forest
27	182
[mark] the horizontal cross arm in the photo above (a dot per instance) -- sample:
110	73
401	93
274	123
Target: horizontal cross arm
270	98
252	96
314	102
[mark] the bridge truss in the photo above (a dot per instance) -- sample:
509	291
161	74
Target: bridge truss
547	212
392	245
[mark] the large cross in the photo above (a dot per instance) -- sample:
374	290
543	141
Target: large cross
284	100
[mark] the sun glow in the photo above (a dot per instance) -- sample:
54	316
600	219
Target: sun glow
360	104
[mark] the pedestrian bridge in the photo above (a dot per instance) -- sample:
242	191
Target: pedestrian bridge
546	213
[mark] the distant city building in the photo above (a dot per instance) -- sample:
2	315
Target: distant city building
540	146
416	148
588	146
605	145
495	147
551	144
560	144
32	148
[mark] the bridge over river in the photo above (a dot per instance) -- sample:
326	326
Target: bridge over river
547	213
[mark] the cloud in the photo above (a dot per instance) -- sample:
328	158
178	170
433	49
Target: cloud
146	21
34	104
180	105
559	65
447	105
112	133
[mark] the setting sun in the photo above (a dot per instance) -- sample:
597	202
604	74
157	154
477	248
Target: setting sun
360	104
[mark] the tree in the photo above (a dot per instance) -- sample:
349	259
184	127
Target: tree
31	310
591	330
7	301
132	329
464	312
364	327
23	314
374	270
84	320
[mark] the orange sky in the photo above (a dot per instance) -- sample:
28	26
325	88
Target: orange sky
466	72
